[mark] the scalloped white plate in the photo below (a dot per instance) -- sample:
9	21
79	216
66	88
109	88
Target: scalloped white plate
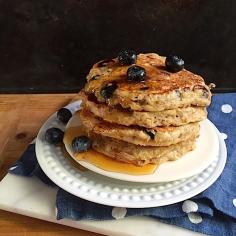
192	163
104	190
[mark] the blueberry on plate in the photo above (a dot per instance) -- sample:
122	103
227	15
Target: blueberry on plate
136	74
81	144
108	90
64	115
54	136
174	63
127	57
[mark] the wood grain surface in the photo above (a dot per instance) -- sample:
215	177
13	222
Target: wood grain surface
21	116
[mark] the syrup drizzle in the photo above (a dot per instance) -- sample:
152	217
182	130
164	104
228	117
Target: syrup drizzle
102	161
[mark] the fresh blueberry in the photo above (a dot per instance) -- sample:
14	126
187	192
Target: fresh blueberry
54	136
108	90
136	74
64	115
81	144
174	63
127	57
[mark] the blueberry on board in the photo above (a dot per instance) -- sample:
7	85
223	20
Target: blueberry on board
64	115
54	136
174	63
127	57
108	90
81	144
136	74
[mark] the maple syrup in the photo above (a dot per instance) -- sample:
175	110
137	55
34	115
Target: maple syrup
102	161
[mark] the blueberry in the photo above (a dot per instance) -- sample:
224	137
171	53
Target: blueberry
150	134
54	136
174	63
136	74
64	115
95	77
127	57
81	144
108	90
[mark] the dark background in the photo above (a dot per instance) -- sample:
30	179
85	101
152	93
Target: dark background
49	45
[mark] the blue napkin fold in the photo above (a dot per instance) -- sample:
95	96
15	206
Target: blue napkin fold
212	212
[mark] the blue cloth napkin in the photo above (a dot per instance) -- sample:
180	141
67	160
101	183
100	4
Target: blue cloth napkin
212	212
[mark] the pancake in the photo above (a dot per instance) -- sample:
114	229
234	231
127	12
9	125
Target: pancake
174	117
140	155
162	90
158	136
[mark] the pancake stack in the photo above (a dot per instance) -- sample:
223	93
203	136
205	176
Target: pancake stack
140	109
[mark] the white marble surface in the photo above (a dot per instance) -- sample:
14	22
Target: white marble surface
30	197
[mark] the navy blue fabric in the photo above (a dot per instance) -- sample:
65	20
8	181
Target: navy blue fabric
216	206
28	165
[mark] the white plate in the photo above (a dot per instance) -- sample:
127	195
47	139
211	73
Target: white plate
100	189
190	164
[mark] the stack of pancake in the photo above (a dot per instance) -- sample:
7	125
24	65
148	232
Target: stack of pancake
152	121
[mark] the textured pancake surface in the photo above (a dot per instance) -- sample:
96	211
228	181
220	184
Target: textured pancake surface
174	117
162	90
140	155
158	136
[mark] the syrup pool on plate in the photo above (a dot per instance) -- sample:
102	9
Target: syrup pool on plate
102	161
